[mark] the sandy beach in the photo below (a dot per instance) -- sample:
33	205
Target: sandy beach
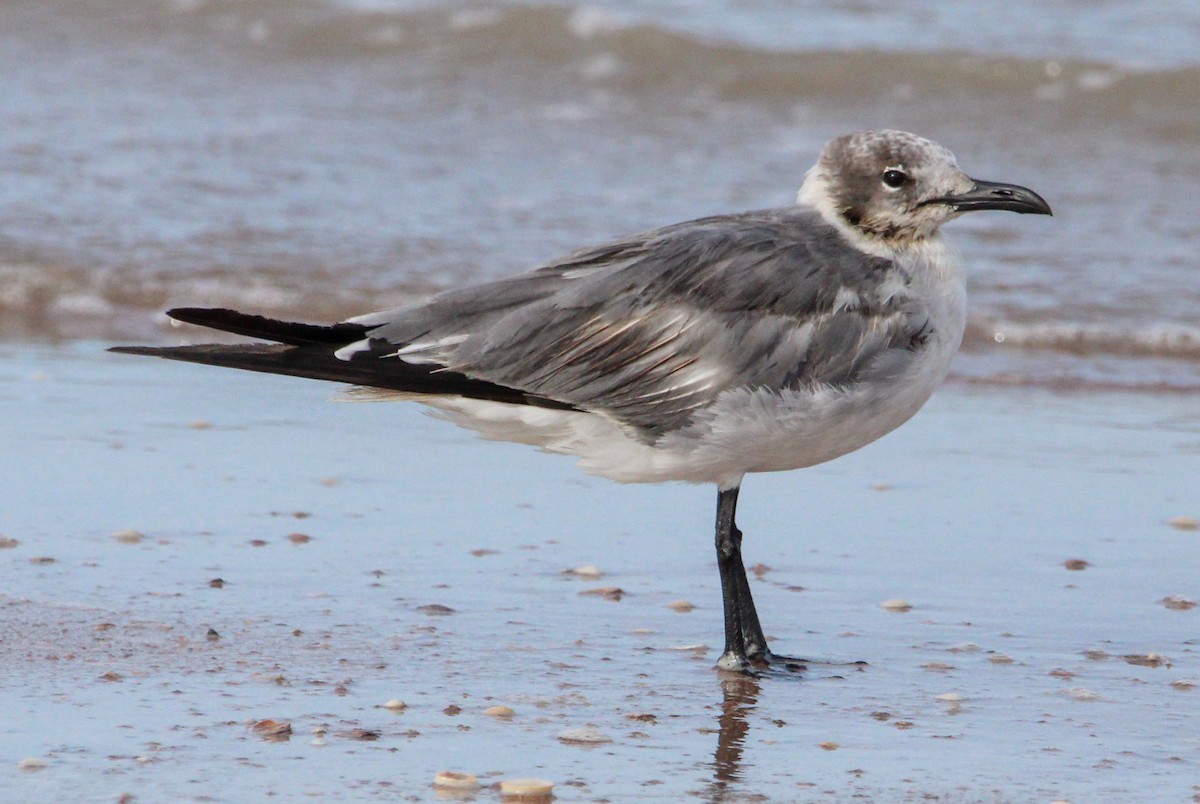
197	551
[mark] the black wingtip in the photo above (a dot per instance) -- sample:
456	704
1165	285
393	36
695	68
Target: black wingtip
134	350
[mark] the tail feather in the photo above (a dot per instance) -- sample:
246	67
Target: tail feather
268	329
317	361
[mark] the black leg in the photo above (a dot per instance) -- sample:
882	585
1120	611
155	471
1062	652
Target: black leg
744	640
745	645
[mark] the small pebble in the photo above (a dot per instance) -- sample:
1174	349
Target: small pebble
217	583
950	697
1184	523
896	604
1178	603
526	788
937	666
273	729
32	763
499	711
1147	659
200	424
1083	694
128	536
396	705
589	571
1183	684
455	780
299	538
435	610
681	606
1000	658
7	543
588	734
212	635
829	745
1076	564
607	592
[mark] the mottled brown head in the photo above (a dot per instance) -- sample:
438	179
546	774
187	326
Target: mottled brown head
898	188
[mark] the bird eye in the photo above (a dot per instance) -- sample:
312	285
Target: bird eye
894	178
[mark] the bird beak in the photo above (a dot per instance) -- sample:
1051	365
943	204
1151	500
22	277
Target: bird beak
994	195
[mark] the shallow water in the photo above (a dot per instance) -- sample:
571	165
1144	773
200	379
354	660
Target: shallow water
320	158
968	513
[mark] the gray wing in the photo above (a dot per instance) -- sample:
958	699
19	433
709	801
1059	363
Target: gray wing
654	327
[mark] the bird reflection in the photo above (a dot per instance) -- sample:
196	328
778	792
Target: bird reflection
740	695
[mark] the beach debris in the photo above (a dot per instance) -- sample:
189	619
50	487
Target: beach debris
499	711
396	705
436	610
586	735
128	536
217	583
829	745
366	735
273	730
897	605
1076	564
42	560
614	593
1178	603
32	763
299	538
479	552
7	542
587	571
1184	523
681	606
526	788
455	780
1147	659
258	542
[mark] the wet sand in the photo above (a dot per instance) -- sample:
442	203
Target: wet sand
433	573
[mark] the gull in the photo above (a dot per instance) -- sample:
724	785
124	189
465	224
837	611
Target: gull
700	352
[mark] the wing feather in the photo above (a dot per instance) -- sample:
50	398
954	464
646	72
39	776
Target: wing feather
654	327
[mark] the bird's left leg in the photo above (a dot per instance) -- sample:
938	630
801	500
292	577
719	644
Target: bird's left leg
745	644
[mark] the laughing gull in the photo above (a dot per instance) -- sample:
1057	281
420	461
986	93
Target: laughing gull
699	352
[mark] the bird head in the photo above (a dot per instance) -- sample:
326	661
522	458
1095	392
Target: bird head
895	189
